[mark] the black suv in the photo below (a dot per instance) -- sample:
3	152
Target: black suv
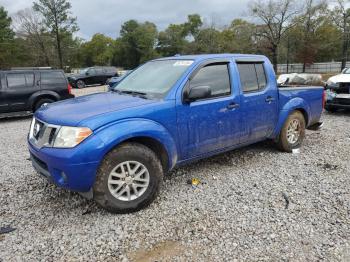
24	90
92	76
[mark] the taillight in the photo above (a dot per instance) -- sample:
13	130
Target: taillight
324	99
69	88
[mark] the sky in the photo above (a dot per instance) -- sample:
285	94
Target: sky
107	16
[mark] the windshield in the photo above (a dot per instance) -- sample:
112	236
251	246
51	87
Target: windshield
83	71
347	71
154	78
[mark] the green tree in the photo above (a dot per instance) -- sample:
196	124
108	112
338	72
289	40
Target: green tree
136	43
97	51
57	18
175	39
6	38
238	37
207	41
306	26
341	17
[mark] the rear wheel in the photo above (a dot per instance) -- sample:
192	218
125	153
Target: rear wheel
81	84
41	102
128	179
292	133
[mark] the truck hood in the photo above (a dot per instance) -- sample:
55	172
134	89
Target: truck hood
341	78
72	111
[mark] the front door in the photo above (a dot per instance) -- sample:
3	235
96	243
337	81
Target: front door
211	123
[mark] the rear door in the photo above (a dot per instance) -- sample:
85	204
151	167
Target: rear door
258	101
20	86
91	77
54	81
101	76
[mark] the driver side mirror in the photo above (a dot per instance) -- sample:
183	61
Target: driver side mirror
196	93
86	73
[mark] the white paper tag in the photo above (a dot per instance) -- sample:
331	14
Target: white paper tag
183	63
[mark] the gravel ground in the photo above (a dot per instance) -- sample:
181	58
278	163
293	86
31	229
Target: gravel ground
254	204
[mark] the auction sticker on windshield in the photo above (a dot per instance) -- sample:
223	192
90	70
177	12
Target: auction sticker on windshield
183	63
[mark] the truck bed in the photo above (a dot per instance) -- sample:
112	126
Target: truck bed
311	97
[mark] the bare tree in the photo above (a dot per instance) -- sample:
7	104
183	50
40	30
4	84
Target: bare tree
341	17
57	17
28	25
276	18
310	20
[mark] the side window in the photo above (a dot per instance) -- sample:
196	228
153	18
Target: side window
16	80
260	73
252	76
92	71
52	78
216	76
99	71
29	79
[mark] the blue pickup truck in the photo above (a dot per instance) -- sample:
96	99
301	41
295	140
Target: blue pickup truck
116	146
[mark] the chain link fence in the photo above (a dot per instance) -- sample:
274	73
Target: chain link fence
322	68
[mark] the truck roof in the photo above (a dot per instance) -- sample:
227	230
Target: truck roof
211	56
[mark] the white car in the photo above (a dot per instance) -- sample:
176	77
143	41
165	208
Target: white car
338	91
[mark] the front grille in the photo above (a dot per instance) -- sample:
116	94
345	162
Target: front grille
42	134
344	88
39	162
341	101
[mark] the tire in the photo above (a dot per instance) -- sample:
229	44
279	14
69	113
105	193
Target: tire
41	102
80	84
106	194
289	140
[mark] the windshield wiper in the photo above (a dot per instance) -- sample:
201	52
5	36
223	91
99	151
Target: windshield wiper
130	92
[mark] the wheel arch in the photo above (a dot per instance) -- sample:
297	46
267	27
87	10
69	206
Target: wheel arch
154	145
36	97
296	104
146	132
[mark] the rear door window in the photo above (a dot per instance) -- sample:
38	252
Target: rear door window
16	80
99	71
92	72
252	76
29	79
260	73
52	78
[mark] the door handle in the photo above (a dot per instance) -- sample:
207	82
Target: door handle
232	106
269	99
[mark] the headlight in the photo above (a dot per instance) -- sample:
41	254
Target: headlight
332	84
71	136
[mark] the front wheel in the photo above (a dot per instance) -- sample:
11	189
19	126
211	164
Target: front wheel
128	179
81	84
292	133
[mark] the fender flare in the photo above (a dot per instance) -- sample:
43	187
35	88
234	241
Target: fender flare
34	97
116	133
292	105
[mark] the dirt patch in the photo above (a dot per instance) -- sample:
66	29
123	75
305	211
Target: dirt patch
163	251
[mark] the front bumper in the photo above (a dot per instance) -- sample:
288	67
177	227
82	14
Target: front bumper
73	169
337	105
